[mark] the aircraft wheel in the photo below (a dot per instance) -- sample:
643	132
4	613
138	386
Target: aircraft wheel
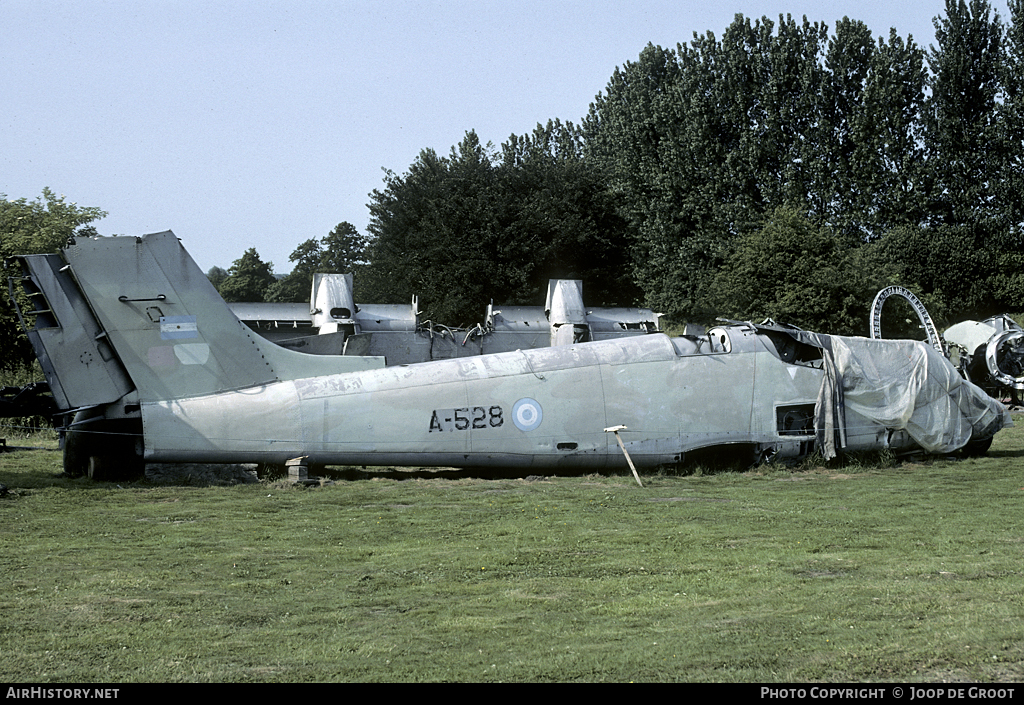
97	472
123	457
107	451
76	454
976	449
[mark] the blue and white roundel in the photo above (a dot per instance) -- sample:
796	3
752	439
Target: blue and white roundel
527	414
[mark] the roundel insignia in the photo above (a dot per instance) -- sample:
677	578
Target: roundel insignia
527	414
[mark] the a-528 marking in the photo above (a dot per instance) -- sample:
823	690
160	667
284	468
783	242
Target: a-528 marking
466	418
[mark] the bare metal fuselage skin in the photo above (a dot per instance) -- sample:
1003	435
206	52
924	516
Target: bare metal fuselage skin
539	408
132	331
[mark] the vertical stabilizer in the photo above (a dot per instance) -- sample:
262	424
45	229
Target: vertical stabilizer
171	329
567	317
331	304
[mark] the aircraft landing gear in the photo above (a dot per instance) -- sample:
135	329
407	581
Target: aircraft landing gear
103	449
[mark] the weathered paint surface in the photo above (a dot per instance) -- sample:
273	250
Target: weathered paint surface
204	387
546	407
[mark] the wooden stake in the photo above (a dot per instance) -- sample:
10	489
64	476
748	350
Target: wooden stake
615	430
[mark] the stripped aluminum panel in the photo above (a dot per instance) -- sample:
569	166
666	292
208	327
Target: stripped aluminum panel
208	389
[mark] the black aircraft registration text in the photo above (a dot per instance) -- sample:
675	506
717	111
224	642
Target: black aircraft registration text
477	417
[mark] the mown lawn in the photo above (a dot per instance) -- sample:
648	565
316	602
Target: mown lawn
855	573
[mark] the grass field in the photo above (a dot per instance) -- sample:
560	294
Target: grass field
911	572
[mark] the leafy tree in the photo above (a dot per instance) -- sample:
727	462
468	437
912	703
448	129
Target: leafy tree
343	249
961	120
866	159
217	275
561	219
788	140
475	226
797	272
339	252
690	155
295	286
634	137
1008	280
248	279
434	233
703	143
1010	185
888	139
33	227
951	265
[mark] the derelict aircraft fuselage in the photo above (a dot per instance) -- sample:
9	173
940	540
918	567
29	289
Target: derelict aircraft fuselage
135	341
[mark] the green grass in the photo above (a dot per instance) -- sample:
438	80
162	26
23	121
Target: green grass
892	572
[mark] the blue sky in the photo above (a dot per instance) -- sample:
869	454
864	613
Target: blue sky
264	123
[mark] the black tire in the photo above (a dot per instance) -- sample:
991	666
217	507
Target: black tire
76	454
105	451
78	445
976	449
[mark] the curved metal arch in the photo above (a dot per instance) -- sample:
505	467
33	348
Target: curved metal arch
922	313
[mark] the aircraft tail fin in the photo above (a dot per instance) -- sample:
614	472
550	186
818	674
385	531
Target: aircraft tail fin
170	329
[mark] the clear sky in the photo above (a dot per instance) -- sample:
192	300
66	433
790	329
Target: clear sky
265	123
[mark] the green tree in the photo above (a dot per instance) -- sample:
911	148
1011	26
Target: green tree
559	221
32	227
687	153
1010	185
479	226
434	234
217	275
866	159
965	149
636	135
702	143
295	286
248	279
797	272
887	133
341	251
951	267
788	136
1008	280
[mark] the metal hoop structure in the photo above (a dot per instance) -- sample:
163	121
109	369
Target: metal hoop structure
922	313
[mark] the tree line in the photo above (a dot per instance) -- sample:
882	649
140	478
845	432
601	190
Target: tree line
781	170
462	229
742	160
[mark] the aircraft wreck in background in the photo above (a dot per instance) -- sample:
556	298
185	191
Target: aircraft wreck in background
334	324
991	354
149	365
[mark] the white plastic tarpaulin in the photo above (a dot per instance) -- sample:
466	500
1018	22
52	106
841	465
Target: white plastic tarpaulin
901	385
